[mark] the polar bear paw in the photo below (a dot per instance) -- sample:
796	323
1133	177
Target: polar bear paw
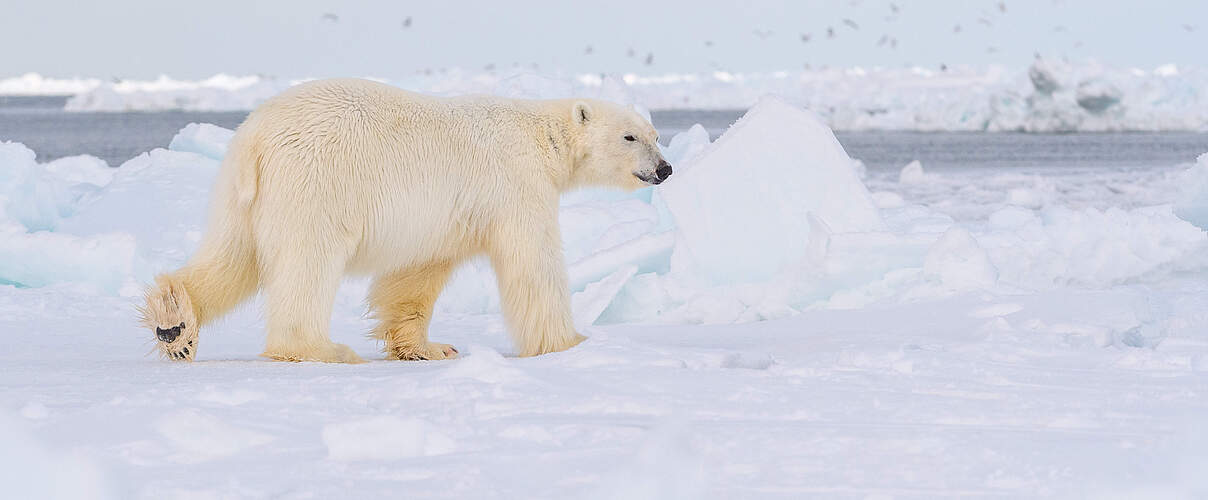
330	353
169	313
430	351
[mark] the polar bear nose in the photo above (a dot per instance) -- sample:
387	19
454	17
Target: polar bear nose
664	171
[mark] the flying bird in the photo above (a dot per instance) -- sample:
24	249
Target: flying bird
884	39
805	38
407	22
851	24
985	21
630	52
1189	27
330	17
956	29
587	50
762	34
1002	7
893	7
649	58
830	32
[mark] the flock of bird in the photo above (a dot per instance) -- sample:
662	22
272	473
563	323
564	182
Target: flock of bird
986	18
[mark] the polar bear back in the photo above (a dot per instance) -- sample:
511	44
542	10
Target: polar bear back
398	173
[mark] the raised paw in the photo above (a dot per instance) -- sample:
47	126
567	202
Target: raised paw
169	313
430	351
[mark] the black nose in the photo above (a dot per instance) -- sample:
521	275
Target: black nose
168	334
664	171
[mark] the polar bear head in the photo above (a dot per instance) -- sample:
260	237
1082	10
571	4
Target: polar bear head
618	147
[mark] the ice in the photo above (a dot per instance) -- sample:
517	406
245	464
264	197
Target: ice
202	138
1052	94
81	169
31	194
1091	247
912	173
1192	202
107	261
752	191
35	84
957	262
218	93
176	183
685	146
588	304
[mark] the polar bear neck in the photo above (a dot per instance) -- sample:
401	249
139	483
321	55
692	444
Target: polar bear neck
558	145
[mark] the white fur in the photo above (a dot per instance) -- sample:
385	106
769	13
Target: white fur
351	176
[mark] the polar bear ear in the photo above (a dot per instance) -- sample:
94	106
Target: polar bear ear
582	112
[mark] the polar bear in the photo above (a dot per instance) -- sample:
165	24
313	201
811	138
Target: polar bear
349	176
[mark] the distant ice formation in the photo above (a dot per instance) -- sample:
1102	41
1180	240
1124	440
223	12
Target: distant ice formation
1050	95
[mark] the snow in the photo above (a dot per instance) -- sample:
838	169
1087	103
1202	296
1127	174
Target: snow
1052	94
384	437
1020	334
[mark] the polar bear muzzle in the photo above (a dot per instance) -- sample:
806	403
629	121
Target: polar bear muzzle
660	174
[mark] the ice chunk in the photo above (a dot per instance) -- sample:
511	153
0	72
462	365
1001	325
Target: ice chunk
595	297
1097	95
912	173
82	169
176	184
1192	204
958	263
217	93
650	253
32	195
1043	77
35	84
43	258
686	145
741	206
204	139
1088	246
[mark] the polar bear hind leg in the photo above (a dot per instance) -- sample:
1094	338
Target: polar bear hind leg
402	302
300	286
220	276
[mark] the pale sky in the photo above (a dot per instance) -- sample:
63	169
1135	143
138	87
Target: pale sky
145	38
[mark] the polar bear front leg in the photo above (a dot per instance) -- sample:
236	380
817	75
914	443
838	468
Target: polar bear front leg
526	252
402	302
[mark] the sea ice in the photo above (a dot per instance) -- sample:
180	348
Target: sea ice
202	138
751	192
1192	202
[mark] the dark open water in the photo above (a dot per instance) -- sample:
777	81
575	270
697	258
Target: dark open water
41	124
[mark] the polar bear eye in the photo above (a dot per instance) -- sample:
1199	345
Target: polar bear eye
630	138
